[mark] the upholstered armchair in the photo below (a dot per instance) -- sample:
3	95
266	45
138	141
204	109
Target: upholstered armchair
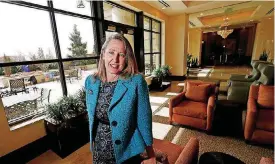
239	90
265	160
195	106
255	73
177	154
259	122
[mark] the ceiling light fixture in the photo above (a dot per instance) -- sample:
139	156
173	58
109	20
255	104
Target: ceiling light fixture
224	32
201	14
80	4
163	8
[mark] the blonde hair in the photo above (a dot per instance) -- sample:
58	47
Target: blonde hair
130	68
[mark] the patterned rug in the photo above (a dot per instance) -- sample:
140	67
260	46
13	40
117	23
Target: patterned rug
180	135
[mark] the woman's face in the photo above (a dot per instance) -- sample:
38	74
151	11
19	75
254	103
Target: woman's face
114	57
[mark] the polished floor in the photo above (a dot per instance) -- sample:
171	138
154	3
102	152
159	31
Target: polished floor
176	135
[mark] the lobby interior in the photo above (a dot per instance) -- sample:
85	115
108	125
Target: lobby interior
226	45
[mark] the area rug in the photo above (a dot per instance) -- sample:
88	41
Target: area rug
226	144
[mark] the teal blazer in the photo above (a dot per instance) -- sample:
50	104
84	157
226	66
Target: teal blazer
130	115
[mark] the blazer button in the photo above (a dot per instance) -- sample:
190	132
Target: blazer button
117	142
90	91
114	123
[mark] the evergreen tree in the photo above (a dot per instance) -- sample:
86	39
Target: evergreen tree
40	54
77	47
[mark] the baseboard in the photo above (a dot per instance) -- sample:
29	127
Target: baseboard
176	78
27	152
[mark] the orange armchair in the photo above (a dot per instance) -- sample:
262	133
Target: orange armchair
259	122
195	106
178	154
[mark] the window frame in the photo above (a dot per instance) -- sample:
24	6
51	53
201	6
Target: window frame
100	25
59	60
151	32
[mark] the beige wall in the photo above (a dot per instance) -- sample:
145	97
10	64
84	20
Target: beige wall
264	38
176	43
194	42
176	36
12	140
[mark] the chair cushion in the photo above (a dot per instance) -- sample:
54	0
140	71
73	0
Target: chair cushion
266	97
191	109
265	120
172	150
197	92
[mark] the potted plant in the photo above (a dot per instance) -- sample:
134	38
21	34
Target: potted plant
166	71
189	57
194	63
264	55
157	78
67	124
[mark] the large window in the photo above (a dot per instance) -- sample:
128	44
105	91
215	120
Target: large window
115	13
119	20
47	51
48	48
152	44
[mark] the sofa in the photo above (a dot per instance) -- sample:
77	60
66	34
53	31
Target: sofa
238	90
255	73
177	154
195	106
259	122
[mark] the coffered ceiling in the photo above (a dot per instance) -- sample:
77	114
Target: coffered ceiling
208	14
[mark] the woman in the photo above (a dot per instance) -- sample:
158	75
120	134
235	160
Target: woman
118	106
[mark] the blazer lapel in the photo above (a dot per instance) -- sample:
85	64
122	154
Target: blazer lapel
93	91
118	93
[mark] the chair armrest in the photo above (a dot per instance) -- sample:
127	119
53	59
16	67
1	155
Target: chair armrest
265	160
210	111
176	100
238	94
189	153
251	117
240	84
173	102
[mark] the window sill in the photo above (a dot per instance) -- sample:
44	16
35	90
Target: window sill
26	123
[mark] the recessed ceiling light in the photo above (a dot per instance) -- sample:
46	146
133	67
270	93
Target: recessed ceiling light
163	8
201	14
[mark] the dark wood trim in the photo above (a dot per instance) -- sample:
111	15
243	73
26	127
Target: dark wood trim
139	42
176	78
99	37
27	152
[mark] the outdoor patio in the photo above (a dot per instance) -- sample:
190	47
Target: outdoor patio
37	96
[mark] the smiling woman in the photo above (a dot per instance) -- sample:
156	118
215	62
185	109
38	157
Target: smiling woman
118	106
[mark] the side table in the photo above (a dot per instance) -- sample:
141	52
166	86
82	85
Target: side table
218	158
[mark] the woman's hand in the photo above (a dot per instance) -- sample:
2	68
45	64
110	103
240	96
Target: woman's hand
151	160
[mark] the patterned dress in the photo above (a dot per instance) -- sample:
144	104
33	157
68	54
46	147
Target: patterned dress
103	152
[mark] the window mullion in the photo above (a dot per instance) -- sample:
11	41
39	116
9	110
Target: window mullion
151	46
57	48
